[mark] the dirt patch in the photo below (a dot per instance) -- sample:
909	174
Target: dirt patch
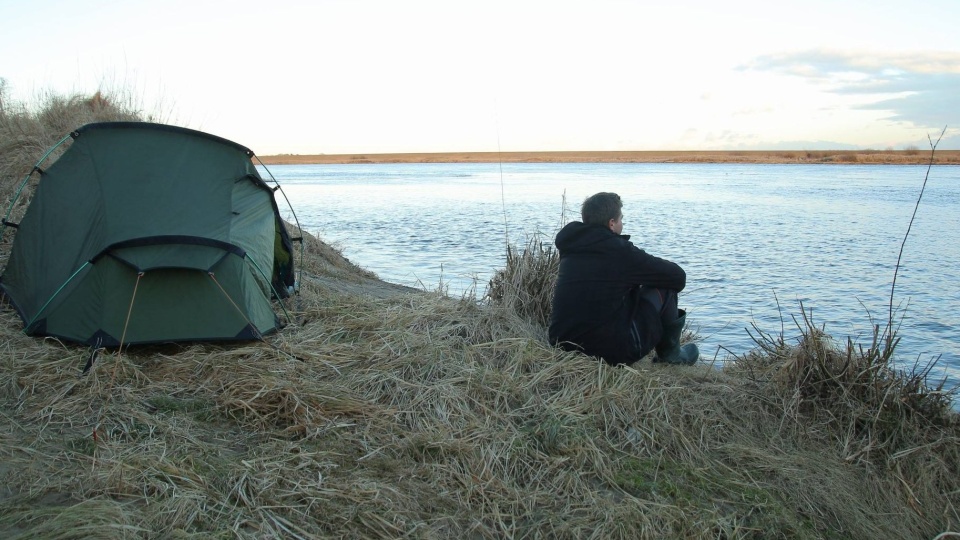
361	286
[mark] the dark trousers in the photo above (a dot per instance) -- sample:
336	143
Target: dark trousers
653	309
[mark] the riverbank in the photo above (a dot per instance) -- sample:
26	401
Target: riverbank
867	157
382	412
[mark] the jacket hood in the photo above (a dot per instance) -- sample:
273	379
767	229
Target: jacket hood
578	235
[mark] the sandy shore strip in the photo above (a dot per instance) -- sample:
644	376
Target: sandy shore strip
893	157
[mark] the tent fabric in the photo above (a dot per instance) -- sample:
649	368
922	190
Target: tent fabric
172	226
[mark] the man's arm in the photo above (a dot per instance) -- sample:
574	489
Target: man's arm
645	269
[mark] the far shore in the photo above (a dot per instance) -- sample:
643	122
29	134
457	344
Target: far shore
869	157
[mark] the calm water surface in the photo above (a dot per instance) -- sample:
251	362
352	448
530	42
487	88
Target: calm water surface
755	240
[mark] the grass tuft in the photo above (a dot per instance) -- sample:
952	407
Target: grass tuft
525	284
881	411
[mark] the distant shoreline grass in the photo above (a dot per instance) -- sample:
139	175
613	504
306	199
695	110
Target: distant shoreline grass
840	157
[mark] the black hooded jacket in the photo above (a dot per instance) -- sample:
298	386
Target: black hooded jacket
593	306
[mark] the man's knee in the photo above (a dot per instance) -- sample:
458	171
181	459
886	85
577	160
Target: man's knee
661	299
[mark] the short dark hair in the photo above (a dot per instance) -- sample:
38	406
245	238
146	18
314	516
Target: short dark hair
600	208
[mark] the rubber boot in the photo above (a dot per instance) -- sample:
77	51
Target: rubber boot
669	350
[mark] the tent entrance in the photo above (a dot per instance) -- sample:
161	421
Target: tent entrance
155	252
117	301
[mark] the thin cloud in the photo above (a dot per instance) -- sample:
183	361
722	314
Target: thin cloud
921	88
827	62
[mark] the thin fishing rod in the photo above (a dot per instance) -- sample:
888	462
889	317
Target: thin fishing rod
503	197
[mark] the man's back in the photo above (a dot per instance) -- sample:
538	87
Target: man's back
598	269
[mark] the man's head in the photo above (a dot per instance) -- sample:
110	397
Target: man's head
603	209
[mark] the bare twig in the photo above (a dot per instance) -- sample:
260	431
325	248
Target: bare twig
890	332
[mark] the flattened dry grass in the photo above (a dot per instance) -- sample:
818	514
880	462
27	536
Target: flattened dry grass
384	413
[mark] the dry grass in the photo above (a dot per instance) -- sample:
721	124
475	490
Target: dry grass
417	415
426	416
27	133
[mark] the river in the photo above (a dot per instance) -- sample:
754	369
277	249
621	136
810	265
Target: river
756	240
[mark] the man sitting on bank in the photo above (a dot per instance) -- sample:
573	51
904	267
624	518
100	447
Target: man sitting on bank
612	299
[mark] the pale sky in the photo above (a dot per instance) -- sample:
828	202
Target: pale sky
356	76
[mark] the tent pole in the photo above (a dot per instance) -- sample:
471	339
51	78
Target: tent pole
27	177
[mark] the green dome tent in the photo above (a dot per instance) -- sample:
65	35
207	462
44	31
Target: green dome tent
146	233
